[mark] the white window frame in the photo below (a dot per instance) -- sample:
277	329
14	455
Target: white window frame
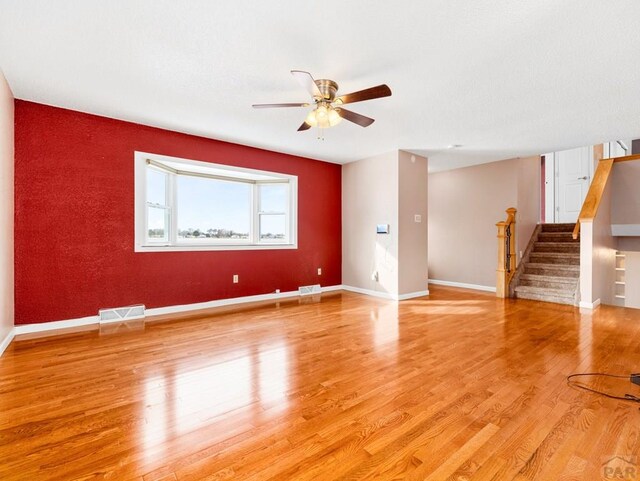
142	160
167	207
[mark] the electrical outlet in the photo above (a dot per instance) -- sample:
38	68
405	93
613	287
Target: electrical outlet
319	271
235	278
417	218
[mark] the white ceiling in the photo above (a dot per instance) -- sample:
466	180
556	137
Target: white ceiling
504	78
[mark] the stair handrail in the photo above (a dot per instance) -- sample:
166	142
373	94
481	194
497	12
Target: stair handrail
507	258
596	189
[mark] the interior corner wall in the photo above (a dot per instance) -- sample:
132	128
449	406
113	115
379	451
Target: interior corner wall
629	244
625	194
464	206
529	200
74	221
604	251
6	208
370	197
413	265
625	199
632	280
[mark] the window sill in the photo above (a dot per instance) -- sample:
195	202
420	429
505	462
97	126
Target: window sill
213	247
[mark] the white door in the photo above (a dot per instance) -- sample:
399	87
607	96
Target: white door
573	175
549	175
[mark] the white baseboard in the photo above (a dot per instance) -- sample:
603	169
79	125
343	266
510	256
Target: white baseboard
411	295
368	292
589	305
54	325
463	285
331	288
385	295
156	311
90	320
4	344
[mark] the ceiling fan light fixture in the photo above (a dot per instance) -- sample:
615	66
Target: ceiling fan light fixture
334	117
311	119
328	110
324	117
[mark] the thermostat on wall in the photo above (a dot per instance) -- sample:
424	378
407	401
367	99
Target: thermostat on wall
382	229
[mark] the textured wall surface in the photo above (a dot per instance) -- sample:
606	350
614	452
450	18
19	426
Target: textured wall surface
6	208
74	220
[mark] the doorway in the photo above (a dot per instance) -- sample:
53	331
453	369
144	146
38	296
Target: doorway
566	177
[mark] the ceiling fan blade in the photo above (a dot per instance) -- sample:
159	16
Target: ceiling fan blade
366	94
304	126
306	80
270	106
361	120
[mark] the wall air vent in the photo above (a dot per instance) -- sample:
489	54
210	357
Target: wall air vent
309	290
121	314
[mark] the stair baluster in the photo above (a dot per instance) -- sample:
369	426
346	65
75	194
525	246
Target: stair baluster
506	249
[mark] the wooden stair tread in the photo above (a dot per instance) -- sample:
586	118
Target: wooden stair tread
560	244
546	291
552	266
558	227
556	254
538	277
568	267
545	236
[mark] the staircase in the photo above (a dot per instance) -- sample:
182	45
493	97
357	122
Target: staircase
552	269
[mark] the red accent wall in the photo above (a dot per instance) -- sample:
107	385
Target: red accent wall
74	220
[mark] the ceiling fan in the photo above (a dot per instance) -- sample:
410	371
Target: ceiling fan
327	108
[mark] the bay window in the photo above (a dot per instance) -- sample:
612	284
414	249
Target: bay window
190	205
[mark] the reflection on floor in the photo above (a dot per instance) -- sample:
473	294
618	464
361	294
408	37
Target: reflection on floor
458	385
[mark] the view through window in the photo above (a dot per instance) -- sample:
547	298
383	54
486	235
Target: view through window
200	204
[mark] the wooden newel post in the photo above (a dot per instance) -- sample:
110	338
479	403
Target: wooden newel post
506	253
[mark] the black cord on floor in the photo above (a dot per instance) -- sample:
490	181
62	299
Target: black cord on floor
626	397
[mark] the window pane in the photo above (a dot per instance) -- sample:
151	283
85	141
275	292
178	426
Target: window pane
157	221
156	186
273	197
272	228
212	210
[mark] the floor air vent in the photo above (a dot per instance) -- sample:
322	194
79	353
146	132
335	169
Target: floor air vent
121	314
309	290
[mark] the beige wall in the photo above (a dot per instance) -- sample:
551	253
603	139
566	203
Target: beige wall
604	251
6	208
386	189
625	200
412	248
629	244
598	250
464	206
528	205
632	279
370	197
625	192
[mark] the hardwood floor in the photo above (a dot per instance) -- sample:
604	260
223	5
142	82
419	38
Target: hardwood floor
457	386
